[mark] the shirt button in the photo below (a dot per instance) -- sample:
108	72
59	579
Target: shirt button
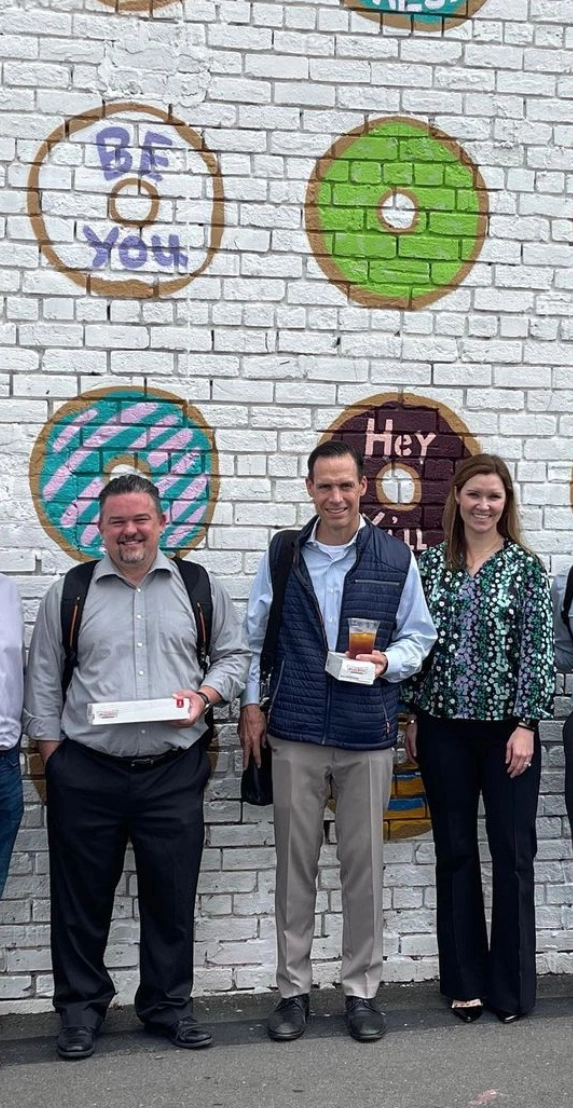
138	590
140	644
143	730
140	672
138	617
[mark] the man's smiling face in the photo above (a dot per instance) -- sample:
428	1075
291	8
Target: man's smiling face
336	488
131	527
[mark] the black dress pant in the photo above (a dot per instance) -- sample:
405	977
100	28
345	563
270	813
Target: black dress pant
95	805
459	759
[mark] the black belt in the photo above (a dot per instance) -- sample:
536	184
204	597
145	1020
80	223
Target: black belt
136	763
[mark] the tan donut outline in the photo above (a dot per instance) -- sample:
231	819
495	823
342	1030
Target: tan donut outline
316	235
379	486
101	285
412	22
77	405
416	214
147	6
152	194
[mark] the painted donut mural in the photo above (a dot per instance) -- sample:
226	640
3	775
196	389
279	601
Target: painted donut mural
111	431
143	213
396	213
422	15
411	446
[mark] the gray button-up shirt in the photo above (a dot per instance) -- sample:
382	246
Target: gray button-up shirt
137	642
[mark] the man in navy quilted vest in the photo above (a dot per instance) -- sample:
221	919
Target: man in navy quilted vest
329	736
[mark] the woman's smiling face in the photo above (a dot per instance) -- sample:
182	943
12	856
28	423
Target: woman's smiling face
481	502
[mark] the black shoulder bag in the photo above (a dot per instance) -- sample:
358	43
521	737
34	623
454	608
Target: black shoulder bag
257	783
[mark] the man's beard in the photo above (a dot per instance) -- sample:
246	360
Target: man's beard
131	552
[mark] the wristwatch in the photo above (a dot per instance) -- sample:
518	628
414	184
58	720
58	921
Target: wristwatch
528	723
204	698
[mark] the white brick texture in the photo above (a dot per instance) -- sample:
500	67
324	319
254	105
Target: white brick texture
161	242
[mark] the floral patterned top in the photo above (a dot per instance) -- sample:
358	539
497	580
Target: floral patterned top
493	658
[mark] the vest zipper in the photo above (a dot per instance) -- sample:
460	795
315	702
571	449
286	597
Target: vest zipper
272	702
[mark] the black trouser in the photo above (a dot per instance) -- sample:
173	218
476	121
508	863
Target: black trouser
95	804
459	759
568	748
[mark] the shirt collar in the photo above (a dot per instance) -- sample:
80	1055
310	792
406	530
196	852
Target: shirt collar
106	568
312	539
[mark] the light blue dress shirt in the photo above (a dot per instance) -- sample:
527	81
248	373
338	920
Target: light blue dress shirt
413	635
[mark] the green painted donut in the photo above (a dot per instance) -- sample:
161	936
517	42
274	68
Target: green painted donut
396	213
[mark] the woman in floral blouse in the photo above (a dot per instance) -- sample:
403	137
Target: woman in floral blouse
473	729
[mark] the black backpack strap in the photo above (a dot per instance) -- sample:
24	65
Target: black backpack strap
567	599
76	585
281	554
196	581
198	585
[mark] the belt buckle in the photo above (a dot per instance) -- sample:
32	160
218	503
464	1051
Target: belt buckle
142	763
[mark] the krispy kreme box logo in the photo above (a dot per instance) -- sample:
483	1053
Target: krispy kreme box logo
126	200
411	446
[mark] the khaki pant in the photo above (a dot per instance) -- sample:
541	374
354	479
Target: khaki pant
303	775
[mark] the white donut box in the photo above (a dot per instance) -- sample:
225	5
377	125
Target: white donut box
138	711
348	669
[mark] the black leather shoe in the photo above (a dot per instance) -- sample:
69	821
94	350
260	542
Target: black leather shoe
467	1013
76	1042
506	1017
186	1033
364	1020
288	1021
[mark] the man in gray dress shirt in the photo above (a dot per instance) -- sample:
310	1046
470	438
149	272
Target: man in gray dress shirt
137	781
11	696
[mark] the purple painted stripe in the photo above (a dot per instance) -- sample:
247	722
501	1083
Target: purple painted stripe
88	534
179	469
179	441
68	432
152	433
100	437
181	505
82	503
180	534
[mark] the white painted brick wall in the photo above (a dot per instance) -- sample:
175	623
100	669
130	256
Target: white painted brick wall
271	353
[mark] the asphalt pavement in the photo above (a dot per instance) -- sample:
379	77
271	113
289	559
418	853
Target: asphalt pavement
428	1059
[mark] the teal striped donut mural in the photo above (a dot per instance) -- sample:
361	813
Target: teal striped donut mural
107	432
424	15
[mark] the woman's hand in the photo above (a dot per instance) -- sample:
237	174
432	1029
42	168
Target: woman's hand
411	739
519	751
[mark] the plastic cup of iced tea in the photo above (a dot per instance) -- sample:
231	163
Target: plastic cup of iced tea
362	636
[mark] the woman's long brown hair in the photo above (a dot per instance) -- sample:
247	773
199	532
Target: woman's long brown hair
509	525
